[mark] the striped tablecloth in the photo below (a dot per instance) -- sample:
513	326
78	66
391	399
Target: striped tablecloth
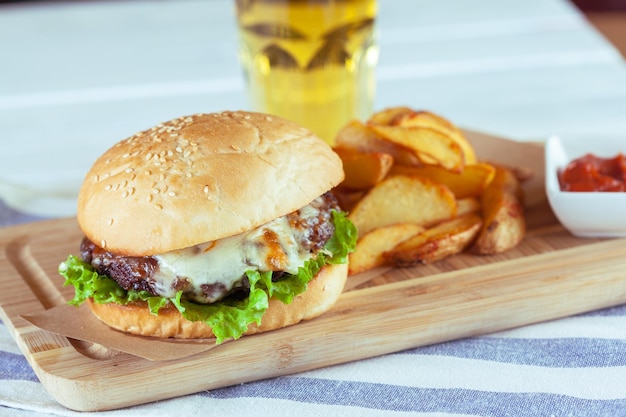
570	367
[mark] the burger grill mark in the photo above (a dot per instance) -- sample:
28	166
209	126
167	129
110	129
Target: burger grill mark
210	271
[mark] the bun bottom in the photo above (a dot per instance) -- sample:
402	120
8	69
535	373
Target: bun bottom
322	293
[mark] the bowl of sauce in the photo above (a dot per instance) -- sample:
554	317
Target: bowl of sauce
586	184
592	173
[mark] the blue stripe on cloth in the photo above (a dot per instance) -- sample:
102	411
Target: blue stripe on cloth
15	367
554	353
410	399
12	217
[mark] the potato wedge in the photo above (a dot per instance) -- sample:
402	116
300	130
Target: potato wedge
438	242
363	170
431	120
469	183
503	213
370	247
403	199
428	145
356	135
467	205
387	116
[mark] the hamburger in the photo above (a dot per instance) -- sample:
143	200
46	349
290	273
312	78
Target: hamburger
211	226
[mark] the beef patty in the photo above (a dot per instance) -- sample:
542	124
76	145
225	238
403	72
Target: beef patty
312	226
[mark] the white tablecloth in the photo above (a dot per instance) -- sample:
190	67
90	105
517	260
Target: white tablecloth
79	76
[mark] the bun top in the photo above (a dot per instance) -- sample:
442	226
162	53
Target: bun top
201	178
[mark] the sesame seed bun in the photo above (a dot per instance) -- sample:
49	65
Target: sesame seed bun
201	178
322	293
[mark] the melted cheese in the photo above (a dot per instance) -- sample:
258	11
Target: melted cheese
220	265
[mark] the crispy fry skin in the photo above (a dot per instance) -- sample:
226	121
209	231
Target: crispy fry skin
438	242
503	212
430	146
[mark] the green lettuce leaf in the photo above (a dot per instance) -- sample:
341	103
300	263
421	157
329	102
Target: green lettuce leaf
229	318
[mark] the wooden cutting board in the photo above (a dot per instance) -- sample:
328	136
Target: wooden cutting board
551	274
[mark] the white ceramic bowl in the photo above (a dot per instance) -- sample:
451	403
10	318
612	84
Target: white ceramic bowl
585	214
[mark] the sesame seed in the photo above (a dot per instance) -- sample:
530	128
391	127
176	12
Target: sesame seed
186	153
131	190
96	178
247	117
107	187
156	191
206	189
103	243
162	176
110	222
129	170
179	149
158	207
148	172
268	118
172	194
125	194
132	178
148	156
149	198
126	155
235	147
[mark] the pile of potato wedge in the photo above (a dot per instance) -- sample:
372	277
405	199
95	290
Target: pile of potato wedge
417	193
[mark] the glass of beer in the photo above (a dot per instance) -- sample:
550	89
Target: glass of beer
310	61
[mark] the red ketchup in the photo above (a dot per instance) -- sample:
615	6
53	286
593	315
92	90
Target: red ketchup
592	173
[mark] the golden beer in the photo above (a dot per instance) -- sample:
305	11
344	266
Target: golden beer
310	61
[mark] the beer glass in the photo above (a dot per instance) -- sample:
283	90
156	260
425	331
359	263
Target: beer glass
310	61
